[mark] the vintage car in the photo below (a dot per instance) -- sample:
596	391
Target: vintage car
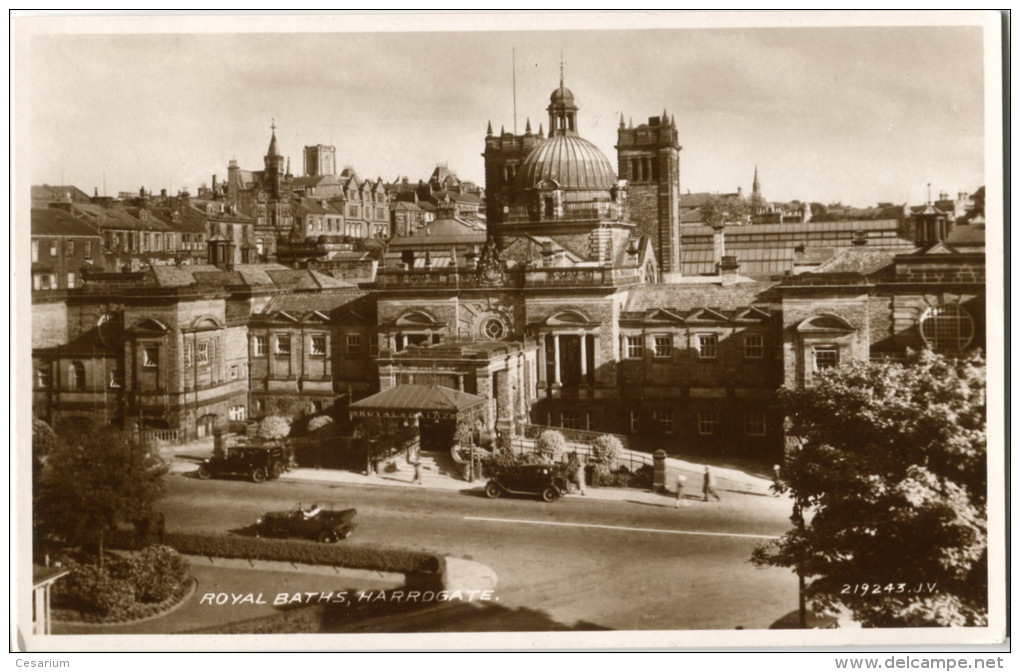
323	522
258	463
529	479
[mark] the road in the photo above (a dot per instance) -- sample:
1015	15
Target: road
578	563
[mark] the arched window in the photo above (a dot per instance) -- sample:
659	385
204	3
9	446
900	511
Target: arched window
76	376
947	328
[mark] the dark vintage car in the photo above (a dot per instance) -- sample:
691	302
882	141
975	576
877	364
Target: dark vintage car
323	522
258	463
543	480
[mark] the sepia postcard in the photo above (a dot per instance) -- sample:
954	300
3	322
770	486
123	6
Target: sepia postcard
481	331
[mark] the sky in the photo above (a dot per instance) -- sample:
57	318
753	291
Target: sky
858	115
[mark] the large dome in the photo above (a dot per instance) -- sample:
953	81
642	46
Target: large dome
570	161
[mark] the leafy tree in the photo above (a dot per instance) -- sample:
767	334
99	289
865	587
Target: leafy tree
274	427
320	425
550	444
891	482
96	478
604	451
729	211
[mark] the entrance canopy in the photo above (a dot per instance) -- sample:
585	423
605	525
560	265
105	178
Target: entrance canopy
433	402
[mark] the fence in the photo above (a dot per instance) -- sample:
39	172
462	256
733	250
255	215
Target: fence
579	441
160	435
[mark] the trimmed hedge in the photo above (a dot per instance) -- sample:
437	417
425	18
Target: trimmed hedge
302	552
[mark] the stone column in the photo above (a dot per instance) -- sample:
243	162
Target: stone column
540	375
597	359
584	358
556	360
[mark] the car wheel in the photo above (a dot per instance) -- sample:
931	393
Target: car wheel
492	491
327	537
204	472
550	494
258	475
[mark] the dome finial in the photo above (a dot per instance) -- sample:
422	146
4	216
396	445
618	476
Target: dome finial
561	68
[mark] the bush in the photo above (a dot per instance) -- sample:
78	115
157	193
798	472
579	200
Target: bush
320	425
274	427
604	451
551	445
92	590
157	572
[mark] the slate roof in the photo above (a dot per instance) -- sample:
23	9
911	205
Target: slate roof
243	274
419	398
119	217
685	297
865	260
442	232
52	222
299	305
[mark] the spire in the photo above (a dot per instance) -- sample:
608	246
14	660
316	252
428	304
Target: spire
561	68
272	143
502	130
541	131
622	123
665	116
631	123
488	131
672	120
527	127
756	187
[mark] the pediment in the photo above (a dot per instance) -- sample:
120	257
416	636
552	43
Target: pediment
825	324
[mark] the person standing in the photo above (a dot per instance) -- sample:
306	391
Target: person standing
680	481
580	477
417	472
777	480
708	487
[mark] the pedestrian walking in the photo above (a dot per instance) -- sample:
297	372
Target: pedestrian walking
777	480
580	477
417	472
708	488
680	481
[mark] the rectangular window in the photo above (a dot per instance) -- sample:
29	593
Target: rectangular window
663	421
754	346
754	424
157	242
318	345
571	420
145	242
258	346
708	422
826	357
353	345
663	345
115	379
35	251
237	413
708	345
203	353
635	421
88	249
70	248
234	371
352	211
42	378
150	356
72	279
188	355
283	345
635	347
53	248
373	346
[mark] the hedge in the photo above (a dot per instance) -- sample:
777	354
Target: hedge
302	552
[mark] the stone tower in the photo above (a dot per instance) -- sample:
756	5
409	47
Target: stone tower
649	159
504	154
275	167
320	160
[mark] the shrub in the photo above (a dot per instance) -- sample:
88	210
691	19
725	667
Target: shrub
550	445
604	451
274	427
320	425
91	589
157	572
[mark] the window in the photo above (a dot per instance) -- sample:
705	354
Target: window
708	345
35	251
203	353
754	346
663	345
663	420
283	345
76	376
571	420
237	413
947	328
754	424
635	347
145	242
115	379
69	246
258	346
72	279
234	371
260	405
53	248
826	357
88	249
352	211
635	421
353	345
188	355
708	421
150	356
42	378
318	345
493	329
373	346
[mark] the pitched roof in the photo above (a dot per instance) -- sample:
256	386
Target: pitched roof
52	222
323	302
410	398
685	297
864	260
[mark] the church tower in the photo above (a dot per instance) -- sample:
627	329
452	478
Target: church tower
275	167
649	159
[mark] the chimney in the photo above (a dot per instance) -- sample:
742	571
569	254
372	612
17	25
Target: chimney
728	265
162	193
860	238
215	185
718	243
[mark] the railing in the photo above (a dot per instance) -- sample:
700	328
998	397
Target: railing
161	435
585	276
571	435
570	211
633	460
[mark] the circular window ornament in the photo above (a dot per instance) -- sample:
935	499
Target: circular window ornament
493	329
947	328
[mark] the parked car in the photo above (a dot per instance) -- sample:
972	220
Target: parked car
323	522
258	463
543	480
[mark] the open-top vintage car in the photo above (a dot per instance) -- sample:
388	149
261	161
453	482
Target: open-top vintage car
322	521
529	479
258	463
